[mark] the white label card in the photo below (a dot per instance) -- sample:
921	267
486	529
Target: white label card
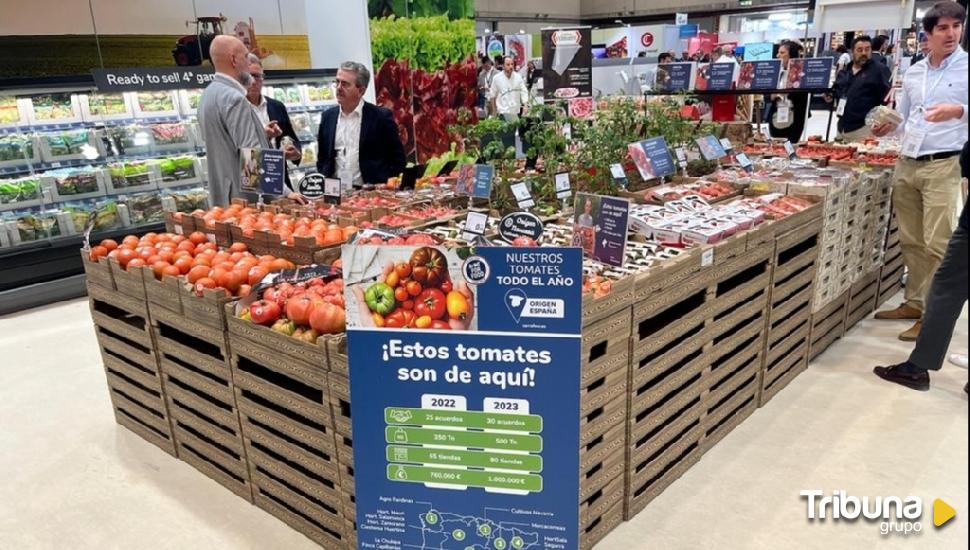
522	195
681	156
707	258
726	143
475	224
745	162
790	149
563	187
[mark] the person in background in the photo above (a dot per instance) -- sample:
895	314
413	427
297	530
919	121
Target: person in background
684	56
227	120
879	46
890	55
924	49
485	75
665	57
272	114
863	85
359	143
944	304
532	75
793	126
927	186
508	92
843	57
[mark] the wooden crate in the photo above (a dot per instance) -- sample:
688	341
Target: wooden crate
600	527
130	283
828	325
787	358
173	294
619	298
730	403
99	272
862	299
279	349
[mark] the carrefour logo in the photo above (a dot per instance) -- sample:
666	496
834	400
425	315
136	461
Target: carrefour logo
896	515
647	39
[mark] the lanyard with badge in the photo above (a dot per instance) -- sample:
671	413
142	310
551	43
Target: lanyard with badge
913	140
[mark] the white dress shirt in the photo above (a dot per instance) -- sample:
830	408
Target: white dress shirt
347	146
509	93
262	112
924	87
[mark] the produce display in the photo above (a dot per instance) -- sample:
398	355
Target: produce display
19	190
176	134
33	225
831	151
105	211
70	143
107	104
188	200
303	126
177	168
711	191
53	107
76	181
287	226
9	110
129	174
317	94
305	310
16	148
155	102
198	263
145	208
692	221
130	138
289	95
778	206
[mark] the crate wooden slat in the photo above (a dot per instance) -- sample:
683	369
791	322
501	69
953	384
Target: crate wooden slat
828	325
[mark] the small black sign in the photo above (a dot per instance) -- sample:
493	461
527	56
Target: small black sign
520	224
311	186
152	79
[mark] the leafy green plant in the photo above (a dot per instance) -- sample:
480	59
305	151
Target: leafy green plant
455	9
428	43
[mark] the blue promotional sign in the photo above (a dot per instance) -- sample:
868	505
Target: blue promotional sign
690	30
720	76
263	170
466	439
484	173
760	75
661	162
600	227
674	77
813	72
710	147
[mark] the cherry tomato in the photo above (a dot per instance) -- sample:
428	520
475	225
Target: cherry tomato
414	288
401	294
446	286
423	321
403	270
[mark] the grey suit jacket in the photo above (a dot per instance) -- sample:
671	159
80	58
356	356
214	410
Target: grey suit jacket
228	122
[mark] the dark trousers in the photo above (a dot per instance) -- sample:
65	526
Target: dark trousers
948	293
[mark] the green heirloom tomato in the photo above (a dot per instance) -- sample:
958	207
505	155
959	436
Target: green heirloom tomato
380	298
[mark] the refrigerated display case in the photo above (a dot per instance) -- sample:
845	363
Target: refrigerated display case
74	160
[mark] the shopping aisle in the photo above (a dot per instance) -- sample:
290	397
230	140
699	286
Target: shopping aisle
76	479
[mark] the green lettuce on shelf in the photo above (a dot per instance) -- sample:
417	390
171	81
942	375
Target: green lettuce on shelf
287	94
16	147
107	104
155	102
9	111
177	168
145	208
189	200
76	182
105	214
33	225
129	174
50	107
68	143
19	190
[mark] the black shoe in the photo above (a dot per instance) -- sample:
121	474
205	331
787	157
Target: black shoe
919	380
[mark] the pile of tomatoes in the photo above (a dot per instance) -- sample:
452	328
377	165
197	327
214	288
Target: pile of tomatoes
250	220
304	310
418	293
193	257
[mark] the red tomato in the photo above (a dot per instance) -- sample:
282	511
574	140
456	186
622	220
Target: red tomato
299	309
400	294
109	244
197	272
264	312
327	318
98	252
440	325
171	271
431	303
414	288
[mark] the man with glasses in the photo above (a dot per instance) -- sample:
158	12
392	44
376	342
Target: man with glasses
358	143
273	116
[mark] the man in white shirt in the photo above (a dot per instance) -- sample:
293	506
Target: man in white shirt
509	93
359	143
927	187
273	115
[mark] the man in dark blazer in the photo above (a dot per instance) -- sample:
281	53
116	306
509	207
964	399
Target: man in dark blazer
358	142
273	115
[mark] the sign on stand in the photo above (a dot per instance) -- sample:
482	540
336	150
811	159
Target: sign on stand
564	189
619	175
600	227
263	170
520	224
475	225
466	433
710	147
523	197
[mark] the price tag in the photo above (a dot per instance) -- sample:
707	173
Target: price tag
332	190
726	144
707	258
475	224
619	175
564	188
841	108
745	162
790	149
784	113
522	195
567	131
681	157
55	165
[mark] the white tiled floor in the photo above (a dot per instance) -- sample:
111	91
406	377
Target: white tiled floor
74	479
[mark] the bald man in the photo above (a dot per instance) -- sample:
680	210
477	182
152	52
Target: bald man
227	119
